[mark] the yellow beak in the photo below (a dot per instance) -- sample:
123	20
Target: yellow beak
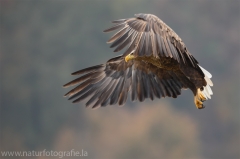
129	57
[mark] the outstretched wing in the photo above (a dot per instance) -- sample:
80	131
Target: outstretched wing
147	35
109	83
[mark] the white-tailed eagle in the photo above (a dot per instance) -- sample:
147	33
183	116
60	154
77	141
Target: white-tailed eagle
155	64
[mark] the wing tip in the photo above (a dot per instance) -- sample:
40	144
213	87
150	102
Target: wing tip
105	31
75	73
65	85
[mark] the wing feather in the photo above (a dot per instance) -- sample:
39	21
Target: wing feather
122	38
117	26
118	34
128	40
134	85
154	37
110	83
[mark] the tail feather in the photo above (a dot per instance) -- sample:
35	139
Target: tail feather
207	91
205	72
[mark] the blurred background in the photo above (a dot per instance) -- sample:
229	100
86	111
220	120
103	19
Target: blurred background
43	42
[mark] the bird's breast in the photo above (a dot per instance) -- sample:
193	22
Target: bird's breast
160	62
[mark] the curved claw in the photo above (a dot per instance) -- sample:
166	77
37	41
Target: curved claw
199	98
198	102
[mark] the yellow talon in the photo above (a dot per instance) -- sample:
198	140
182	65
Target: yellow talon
129	57
201	96
198	103
198	99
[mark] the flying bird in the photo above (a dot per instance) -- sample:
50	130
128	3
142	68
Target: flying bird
155	64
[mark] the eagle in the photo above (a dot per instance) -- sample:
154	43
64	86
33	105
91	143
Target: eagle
155	64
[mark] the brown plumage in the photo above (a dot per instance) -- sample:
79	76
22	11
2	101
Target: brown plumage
156	63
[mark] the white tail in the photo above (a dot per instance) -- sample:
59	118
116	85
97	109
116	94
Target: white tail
207	91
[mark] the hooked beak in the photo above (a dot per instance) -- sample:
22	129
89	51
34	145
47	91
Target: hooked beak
129	57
